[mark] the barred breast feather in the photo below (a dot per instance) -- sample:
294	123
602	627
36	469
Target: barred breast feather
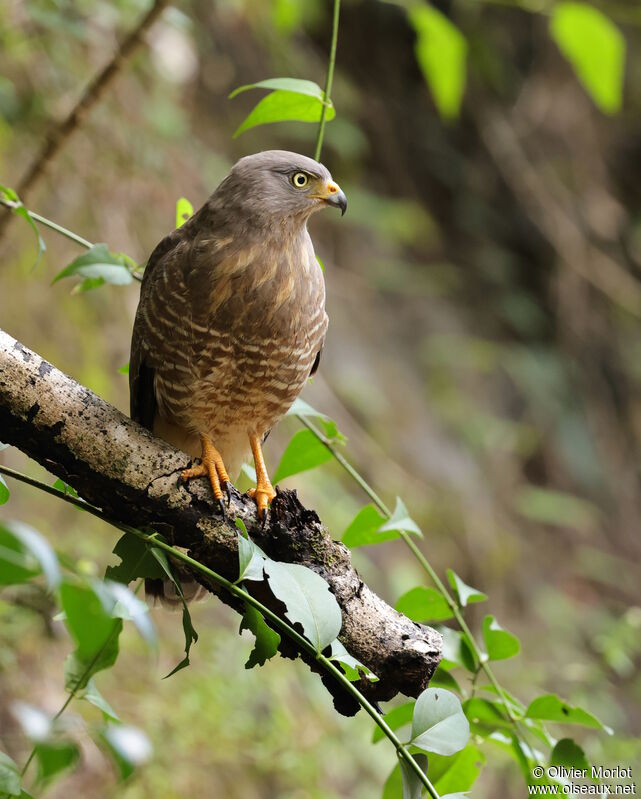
227	332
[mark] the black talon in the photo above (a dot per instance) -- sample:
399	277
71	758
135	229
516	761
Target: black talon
263	521
227	487
221	505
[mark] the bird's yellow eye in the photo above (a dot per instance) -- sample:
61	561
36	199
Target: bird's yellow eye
300	180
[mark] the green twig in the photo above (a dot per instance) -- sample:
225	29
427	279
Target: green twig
328	82
338	456
69	234
429	570
290	632
87	671
48	223
365	486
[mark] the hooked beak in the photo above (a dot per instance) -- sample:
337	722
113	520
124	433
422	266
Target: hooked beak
334	196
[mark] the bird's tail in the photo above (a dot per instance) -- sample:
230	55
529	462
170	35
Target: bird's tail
165	593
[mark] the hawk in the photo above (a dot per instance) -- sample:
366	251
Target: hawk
231	319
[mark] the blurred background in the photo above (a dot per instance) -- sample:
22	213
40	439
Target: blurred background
483	357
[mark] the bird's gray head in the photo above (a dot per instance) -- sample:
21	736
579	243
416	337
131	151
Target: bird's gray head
280	185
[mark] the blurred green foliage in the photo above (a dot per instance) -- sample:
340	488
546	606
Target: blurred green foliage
472	370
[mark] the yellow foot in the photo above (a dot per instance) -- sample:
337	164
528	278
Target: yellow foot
262	496
211	466
264	492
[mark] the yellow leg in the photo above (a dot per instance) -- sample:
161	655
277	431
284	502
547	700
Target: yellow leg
264	491
212	466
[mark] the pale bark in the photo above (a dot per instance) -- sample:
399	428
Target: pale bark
133	477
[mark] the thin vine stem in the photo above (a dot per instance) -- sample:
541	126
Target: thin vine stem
153	540
361	482
329	81
69	234
430	571
338	456
49	223
86	672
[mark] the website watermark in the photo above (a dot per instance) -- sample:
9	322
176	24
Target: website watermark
561	781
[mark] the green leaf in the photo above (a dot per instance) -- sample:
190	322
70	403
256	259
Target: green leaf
20	210
98	262
65	488
92	695
124	370
443	679
301	408
136	561
267	640
124	604
456	774
441	52
401	520
92	626
364	529
250	560
285	106
308	599
24	553
402	783
9	776
513	746
184	209
424	604
128	746
457	650
353	669
191	636
395	718
332	433
305	87
485	716
439	724
465	593
569	754
54	758
88	284
412	785
595	48
16	565
4	491
550	708
303	452
515	704
499	643
393	788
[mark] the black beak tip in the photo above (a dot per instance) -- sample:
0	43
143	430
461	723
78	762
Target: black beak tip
338	201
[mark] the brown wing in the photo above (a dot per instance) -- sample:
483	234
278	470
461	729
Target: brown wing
316	363
169	290
142	397
143	404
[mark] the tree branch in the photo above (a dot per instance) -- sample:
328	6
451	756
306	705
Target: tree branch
61	132
133	477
